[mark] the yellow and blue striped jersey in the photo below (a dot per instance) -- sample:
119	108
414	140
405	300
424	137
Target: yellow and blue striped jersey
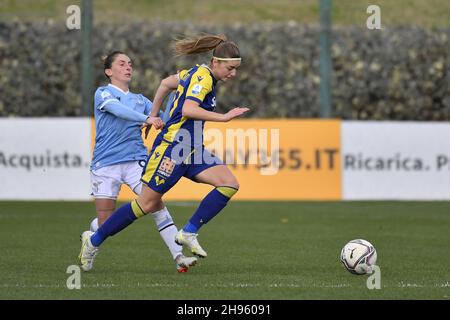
197	84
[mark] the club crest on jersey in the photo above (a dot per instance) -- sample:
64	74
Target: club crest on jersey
105	94
196	89
140	101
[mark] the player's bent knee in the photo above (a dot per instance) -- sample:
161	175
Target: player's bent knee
149	201
228	181
148	206
233	183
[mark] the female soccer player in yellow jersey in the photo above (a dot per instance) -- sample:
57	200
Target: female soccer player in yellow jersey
178	149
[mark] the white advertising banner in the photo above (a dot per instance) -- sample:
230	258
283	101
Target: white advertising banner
395	160
45	158
49	158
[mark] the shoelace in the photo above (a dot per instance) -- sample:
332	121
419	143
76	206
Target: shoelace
192	235
93	252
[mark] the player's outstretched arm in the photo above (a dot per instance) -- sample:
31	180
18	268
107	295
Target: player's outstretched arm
192	110
121	111
235	112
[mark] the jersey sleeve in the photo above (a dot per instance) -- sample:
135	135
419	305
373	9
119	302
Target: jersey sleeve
106	102
125	113
200	85
102	97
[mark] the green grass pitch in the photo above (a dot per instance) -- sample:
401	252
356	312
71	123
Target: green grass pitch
256	250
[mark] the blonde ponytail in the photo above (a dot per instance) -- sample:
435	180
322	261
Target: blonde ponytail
204	43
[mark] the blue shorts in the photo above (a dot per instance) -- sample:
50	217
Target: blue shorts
168	162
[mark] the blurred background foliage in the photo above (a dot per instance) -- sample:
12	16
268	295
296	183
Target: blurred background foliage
398	73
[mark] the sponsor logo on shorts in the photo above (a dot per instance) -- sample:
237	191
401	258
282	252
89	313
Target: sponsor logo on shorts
166	167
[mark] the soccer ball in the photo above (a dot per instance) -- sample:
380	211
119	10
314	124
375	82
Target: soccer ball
359	256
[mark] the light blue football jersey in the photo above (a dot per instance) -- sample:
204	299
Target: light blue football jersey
118	140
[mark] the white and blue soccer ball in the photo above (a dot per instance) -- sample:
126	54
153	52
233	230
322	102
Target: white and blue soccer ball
359	256
94	225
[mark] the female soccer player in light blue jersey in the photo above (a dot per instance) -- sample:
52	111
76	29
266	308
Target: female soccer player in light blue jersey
120	154
177	152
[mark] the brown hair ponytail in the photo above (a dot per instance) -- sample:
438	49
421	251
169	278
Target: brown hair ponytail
219	43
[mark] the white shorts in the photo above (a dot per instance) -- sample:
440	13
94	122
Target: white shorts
106	181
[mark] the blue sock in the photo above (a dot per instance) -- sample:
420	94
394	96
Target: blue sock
120	219
210	206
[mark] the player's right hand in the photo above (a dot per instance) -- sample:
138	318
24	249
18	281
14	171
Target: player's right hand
155	121
235	112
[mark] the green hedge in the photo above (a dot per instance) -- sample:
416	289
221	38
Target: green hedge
390	74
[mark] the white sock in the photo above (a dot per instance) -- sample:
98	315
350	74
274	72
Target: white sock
94	225
167	230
